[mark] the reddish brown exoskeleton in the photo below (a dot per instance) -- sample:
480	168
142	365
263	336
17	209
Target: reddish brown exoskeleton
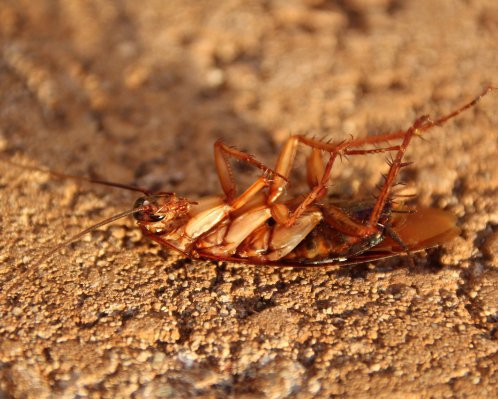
261	226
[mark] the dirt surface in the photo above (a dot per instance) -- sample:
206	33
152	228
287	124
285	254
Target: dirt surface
137	92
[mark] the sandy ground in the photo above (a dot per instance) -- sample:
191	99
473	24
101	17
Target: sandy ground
137	92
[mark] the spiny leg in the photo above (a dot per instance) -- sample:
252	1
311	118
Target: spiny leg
315	171
317	175
338	218
382	138
319	190
315	164
420	125
315	168
286	160
247	195
222	153
400	134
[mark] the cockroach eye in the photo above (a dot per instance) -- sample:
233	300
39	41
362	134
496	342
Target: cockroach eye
155	218
141	202
145	216
138	203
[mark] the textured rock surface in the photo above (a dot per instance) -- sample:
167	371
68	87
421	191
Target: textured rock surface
137	92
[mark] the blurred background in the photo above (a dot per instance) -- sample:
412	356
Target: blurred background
137	92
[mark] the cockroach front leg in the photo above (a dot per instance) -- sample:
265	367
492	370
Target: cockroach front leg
222	154
161	241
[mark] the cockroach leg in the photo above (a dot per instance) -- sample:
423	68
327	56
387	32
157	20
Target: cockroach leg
161	241
317	175
222	153
319	190
443	119
372	150
319	178
286	160
421	125
400	134
394	169
253	190
395	236
342	222
315	169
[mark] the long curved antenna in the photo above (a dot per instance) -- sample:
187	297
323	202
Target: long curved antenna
76	237
79	178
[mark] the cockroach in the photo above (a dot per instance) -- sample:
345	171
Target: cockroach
263	226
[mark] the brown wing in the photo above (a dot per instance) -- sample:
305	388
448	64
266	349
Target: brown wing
426	228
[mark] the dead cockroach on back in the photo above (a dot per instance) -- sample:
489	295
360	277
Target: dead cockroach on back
261	226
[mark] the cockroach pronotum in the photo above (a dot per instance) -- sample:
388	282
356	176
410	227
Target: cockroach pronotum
262	226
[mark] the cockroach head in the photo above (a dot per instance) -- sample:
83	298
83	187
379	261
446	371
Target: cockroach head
160	207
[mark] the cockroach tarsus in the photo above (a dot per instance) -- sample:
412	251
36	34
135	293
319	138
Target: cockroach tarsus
260	226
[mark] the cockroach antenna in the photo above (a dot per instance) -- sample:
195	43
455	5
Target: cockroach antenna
78	178
76	237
